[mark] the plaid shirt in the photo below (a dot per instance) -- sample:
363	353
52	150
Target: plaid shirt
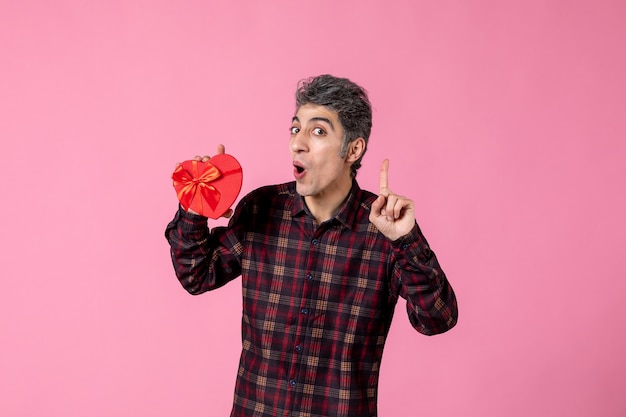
317	299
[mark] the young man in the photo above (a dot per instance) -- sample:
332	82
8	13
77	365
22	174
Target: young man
322	264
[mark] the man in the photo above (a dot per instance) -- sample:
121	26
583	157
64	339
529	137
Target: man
322	264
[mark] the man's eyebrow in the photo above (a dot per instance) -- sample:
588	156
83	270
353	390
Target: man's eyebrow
316	119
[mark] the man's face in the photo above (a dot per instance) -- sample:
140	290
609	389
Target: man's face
315	144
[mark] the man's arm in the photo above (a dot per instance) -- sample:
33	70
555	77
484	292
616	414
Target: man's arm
203	260
417	276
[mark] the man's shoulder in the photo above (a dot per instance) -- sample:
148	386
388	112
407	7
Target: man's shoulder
273	191
363	198
271	194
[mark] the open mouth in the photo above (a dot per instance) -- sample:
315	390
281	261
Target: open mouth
298	170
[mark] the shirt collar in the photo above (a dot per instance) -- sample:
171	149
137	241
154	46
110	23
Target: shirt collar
347	211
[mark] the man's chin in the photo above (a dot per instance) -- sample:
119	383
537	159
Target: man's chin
301	189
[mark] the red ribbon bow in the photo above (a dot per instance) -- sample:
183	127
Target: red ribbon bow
189	184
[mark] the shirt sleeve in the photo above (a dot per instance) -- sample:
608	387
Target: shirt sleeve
203	259
417	277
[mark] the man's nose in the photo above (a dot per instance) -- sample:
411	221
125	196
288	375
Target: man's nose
298	142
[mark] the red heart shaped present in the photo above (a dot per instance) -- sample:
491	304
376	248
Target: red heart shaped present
208	188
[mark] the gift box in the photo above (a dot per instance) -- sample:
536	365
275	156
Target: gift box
208	188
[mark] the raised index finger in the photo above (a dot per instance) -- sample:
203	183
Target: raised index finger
384	177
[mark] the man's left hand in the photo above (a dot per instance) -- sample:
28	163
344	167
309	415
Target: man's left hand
392	214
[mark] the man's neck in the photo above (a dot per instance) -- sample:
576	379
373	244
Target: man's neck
325	207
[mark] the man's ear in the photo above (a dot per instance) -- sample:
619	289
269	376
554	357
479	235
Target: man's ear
355	149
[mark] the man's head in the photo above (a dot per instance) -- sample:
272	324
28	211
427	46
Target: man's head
348	100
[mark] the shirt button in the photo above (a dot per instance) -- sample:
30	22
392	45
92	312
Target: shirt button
299	349
314	242
292	382
305	311
405	246
309	277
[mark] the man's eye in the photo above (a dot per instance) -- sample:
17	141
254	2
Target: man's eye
294	130
319	131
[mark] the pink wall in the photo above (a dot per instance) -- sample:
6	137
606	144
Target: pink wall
503	120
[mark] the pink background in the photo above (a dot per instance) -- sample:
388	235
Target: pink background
503	120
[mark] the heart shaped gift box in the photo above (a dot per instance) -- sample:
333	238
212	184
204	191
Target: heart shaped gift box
208	188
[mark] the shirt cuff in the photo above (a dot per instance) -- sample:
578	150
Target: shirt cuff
412	244
190	221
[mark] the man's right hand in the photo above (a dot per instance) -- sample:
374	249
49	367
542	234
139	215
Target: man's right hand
220	150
